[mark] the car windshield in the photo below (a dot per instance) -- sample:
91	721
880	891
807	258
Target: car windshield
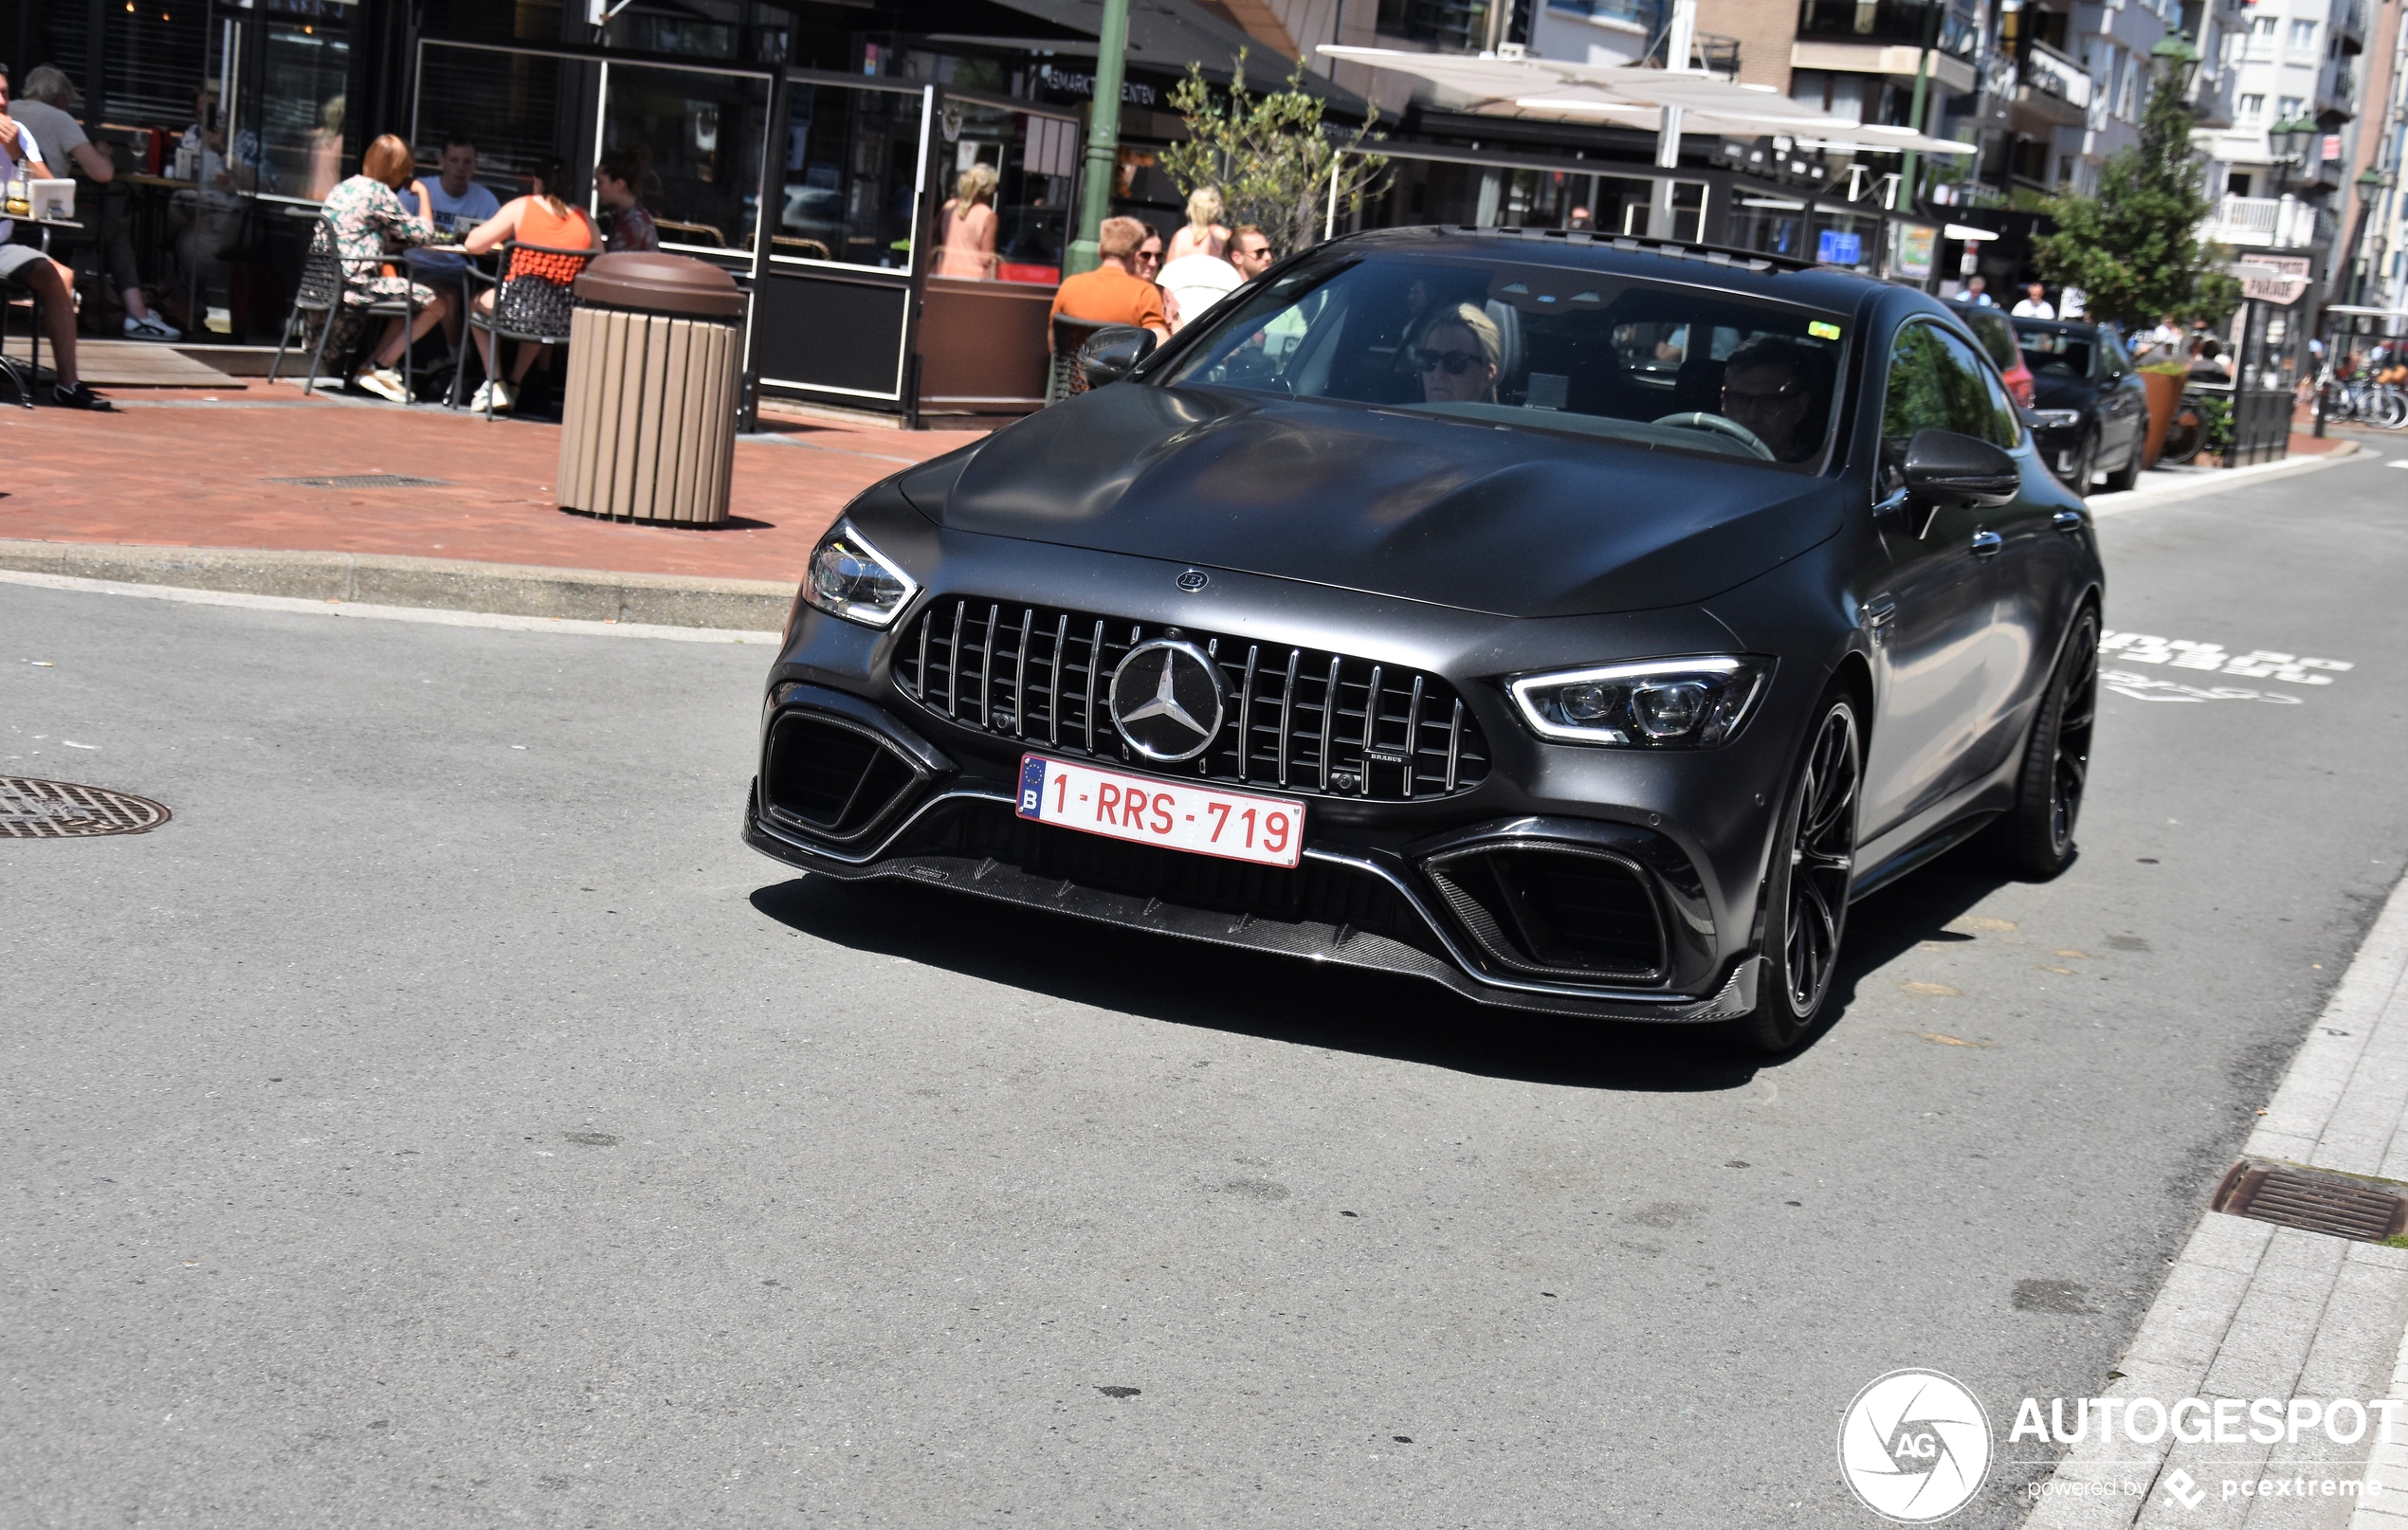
1539	347
2052	352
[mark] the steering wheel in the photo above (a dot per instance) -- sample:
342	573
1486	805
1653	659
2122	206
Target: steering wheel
1717	425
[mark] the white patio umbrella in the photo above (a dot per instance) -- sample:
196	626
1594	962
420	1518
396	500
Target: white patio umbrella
1556	90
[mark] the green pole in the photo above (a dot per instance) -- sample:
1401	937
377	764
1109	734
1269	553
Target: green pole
1914	113
1104	139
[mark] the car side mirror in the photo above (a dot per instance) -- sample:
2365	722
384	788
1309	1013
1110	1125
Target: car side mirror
1111	352
1946	468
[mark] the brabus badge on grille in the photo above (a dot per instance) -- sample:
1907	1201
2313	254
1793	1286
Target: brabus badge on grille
1168	699
1194	579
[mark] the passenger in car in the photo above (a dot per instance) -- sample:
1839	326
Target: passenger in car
1458	357
1776	387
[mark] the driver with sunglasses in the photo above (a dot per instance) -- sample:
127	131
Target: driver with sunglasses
1458	357
1773	386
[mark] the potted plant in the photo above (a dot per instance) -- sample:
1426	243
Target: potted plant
2164	381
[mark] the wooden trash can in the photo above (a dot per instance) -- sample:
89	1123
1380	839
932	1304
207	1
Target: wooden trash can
649	422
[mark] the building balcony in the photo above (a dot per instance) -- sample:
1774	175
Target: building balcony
1898	22
2336	92
2212	95
2268	223
2350	25
2052	92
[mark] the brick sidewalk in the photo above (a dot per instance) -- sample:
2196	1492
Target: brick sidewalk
176	470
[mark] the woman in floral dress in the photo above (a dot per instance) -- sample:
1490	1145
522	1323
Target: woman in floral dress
370	221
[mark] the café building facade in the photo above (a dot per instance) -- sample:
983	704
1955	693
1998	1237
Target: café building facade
808	148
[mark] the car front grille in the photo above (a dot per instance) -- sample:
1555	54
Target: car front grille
1038	675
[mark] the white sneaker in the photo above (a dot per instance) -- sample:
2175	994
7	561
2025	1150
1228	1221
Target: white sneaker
150	327
384	382
502	397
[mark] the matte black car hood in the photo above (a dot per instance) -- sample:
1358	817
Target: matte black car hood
1516	523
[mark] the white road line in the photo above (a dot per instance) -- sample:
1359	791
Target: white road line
297	607
2193	485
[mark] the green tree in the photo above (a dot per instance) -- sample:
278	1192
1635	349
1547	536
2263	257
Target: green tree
1269	156
2134	250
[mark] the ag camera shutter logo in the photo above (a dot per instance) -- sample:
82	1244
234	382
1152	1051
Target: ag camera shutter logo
1914	1447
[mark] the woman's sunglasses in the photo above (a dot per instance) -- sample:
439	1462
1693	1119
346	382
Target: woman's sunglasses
1456	362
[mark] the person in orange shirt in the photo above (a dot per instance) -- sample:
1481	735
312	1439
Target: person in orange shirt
1110	294
544	217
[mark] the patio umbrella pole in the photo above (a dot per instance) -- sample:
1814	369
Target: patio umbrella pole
1679	36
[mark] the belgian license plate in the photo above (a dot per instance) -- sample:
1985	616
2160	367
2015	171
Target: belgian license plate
1238	826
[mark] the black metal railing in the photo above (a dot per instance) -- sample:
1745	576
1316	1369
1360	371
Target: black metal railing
1298	719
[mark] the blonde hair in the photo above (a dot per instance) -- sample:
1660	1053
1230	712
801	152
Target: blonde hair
977	183
1203	207
389	160
1467	316
1118	238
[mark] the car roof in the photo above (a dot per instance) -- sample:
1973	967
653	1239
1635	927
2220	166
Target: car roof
1778	279
2061	326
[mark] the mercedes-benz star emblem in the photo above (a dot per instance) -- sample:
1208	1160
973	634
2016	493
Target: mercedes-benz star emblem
1168	699
1194	579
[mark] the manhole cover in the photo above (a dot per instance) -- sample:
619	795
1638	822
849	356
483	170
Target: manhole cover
367	481
2288	1195
62	809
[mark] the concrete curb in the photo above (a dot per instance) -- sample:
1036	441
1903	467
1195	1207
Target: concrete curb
2252	1310
426	583
2189	485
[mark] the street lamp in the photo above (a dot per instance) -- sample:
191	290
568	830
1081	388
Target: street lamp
2290	141
2177	50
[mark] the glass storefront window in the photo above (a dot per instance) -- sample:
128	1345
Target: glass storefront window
1034	159
851	188
299	104
509	102
701	134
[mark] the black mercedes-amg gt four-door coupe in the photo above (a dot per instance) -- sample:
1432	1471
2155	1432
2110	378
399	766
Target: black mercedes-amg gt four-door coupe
1579	623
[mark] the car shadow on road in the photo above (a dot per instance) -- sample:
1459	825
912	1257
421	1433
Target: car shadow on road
1248	993
1344	1009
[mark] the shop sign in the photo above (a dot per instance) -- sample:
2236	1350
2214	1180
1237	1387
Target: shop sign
2282	280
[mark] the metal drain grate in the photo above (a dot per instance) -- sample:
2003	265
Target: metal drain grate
366	480
62	809
2288	1195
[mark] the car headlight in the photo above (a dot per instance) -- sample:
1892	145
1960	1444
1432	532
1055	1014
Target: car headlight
852	579
1660	703
2054	419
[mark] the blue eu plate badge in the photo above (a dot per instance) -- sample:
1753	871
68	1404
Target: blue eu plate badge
1032	786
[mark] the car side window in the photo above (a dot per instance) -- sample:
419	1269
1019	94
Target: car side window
2111	352
1936	384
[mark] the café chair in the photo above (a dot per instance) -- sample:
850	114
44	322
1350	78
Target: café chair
532	300
21	376
320	294
1068	334
690	233
809	249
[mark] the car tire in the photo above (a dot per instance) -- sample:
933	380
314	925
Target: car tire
2125	478
1806	883
2085	464
2034	839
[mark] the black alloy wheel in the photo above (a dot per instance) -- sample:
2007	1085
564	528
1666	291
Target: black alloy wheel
2035	838
1814	860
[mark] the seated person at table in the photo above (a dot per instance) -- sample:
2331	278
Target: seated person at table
48	99
368	216
1109	294
49	282
615	180
460	205
545	217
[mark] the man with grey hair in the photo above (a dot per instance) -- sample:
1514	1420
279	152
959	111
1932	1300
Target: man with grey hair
47	105
53	285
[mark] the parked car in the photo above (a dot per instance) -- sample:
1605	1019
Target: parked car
1990	326
1580	627
2090	409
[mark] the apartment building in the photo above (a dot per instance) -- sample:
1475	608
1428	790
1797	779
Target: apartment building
2294	65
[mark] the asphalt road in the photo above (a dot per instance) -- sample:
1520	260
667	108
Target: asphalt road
445	1122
